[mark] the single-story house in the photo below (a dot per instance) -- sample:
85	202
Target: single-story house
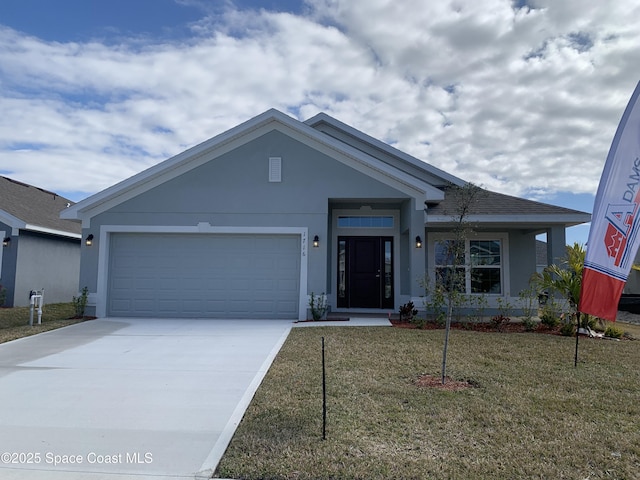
252	221
39	249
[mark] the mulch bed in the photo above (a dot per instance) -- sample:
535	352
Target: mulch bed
511	327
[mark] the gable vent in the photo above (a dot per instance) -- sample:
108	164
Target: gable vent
275	169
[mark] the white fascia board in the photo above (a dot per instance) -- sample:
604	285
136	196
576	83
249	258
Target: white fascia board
52	231
16	225
565	219
392	151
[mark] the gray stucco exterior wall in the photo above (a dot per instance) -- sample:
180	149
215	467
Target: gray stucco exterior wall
272	178
522	260
233	190
52	263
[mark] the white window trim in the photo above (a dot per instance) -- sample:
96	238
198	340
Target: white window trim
201	228
504	260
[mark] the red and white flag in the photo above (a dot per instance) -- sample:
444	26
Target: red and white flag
615	223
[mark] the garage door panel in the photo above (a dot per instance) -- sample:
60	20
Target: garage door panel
170	306
287	307
263	285
264	307
144	306
287	285
122	305
244	276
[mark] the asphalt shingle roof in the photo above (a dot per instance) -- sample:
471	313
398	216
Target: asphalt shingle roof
492	203
35	206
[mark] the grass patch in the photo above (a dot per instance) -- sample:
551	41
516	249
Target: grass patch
531	414
14	322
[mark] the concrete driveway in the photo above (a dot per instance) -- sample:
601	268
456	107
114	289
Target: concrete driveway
129	398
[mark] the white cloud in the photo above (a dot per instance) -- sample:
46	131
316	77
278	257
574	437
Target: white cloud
525	101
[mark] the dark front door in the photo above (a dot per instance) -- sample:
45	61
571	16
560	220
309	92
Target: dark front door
365	272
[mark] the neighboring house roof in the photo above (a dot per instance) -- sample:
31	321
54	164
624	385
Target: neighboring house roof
25	207
496	208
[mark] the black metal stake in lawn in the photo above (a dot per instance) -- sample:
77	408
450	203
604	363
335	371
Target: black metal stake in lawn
324	396
575	362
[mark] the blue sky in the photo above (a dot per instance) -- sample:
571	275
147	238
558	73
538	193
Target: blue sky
521	97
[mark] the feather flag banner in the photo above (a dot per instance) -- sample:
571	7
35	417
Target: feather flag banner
615	223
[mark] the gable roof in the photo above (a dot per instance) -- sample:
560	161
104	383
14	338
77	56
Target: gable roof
497	208
383	151
25	207
420	180
491	207
268	121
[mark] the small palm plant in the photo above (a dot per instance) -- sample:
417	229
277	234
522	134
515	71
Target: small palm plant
566	279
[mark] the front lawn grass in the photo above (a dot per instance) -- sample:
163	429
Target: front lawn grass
14	322
531	414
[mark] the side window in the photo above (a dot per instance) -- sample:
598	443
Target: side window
486	266
475	267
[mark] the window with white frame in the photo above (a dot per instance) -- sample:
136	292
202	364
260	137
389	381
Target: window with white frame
478	266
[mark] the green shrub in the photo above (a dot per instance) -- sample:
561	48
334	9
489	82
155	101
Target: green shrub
567	329
527	302
435	301
613	332
549	319
419	321
529	324
478	304
505	308
80	303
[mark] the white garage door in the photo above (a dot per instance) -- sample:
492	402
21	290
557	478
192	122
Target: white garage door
203	275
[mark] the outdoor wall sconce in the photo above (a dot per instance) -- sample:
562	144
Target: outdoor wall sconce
89	241
316	241
418	242
6	242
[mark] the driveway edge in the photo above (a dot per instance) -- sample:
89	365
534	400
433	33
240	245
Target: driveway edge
215	455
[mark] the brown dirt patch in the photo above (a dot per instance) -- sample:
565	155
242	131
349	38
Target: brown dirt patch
431	381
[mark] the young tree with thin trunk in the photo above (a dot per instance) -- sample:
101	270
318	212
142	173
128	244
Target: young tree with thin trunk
452	278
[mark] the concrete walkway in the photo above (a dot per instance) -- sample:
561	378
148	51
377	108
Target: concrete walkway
352	322
129	398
